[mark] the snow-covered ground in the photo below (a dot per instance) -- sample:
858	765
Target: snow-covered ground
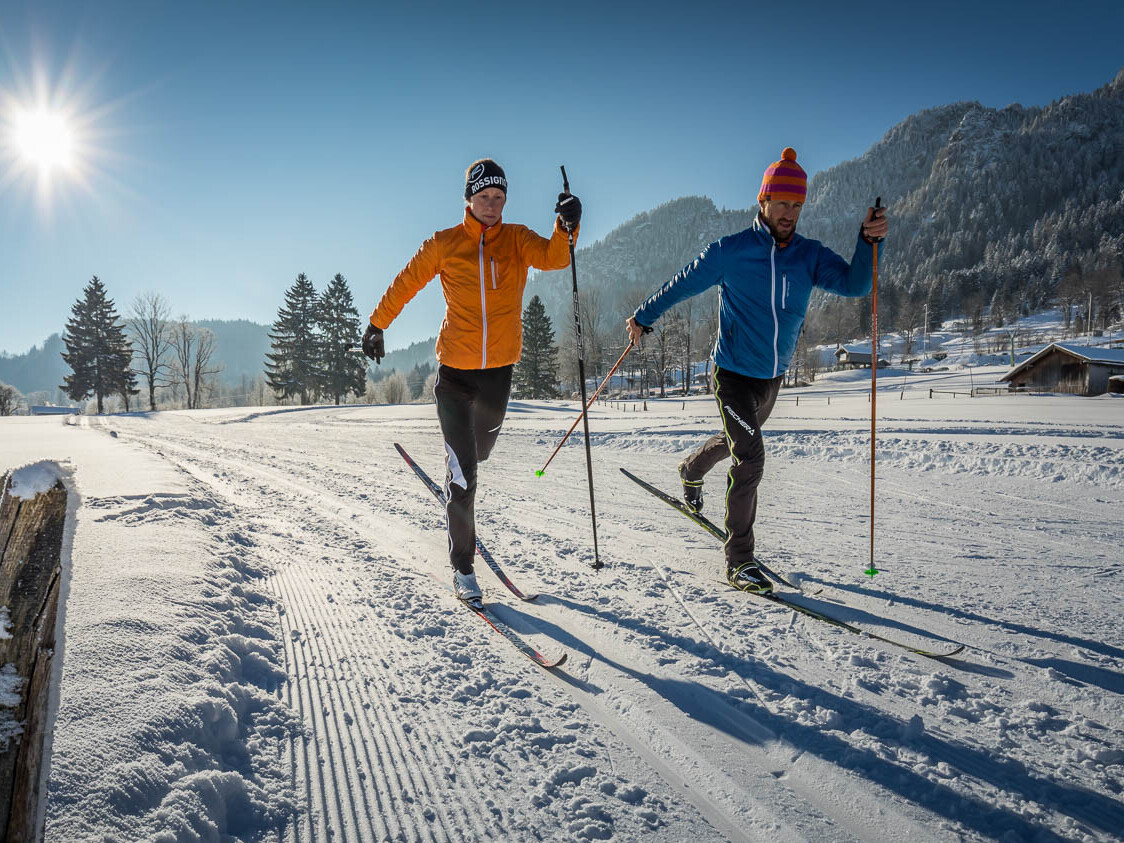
256	646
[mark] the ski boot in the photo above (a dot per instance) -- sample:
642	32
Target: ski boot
467	590
692	490
748	577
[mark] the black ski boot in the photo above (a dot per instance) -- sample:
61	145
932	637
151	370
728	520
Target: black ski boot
748	577
692	490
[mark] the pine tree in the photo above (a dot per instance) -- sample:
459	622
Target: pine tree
97	349
536	374
342	372
293	365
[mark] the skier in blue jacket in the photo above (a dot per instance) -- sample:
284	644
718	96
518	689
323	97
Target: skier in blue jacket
766	274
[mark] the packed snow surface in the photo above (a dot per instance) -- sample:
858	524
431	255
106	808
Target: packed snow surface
256	647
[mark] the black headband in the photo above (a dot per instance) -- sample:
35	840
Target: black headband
483	174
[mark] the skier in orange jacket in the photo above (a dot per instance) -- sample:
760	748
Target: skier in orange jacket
483	265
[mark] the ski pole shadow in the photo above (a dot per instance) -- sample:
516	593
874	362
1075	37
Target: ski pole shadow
862	618
1062	638
746	720
964	666
1084	674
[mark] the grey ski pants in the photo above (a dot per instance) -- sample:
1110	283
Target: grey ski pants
744	404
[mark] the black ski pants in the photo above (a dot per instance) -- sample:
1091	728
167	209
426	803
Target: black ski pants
744	404
471	404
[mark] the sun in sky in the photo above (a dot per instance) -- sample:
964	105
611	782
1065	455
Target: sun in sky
44	139
44	143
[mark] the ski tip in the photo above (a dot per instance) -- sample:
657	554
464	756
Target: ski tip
561	661
948	655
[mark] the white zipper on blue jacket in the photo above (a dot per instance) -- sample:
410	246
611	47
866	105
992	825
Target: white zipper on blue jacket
483	309
773	301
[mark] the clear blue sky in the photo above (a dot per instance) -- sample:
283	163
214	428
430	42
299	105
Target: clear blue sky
227	146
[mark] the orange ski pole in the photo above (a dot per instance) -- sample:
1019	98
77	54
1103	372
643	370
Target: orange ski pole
597	392
871	571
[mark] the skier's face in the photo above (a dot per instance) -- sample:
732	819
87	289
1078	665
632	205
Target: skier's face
782	217
487	205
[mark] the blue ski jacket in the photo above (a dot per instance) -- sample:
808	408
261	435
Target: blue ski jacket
764	293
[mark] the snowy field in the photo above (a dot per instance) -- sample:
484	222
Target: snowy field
256	647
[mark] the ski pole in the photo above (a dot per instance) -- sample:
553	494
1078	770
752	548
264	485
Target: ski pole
585	409
597	564
873	385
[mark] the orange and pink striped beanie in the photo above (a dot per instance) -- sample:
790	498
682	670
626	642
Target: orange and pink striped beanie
784	180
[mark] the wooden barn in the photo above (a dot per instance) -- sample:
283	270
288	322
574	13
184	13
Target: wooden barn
1063	367
855	357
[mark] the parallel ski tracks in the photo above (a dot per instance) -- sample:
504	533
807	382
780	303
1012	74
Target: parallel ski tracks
397	767
366	772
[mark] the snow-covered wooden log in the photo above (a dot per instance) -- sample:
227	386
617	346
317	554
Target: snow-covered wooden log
32	521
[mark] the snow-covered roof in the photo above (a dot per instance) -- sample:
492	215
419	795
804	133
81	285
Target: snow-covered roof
1088	353
1093	353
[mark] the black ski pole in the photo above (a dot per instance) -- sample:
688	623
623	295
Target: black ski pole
597	565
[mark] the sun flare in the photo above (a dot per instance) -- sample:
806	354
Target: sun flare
44	139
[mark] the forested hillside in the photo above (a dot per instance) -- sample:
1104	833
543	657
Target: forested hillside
994	213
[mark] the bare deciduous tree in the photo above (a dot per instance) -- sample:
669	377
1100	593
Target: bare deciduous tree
664	333
202	368
148	322
394	388
684	312
909	318
191	366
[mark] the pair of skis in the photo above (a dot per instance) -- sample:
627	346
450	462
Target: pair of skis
489	617
483	612
781	599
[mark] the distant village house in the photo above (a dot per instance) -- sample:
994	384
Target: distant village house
1073	369
51	410
855	357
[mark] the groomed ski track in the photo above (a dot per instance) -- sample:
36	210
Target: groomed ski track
682	713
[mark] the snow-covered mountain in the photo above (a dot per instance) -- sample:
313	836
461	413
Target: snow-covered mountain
986	204
1001	200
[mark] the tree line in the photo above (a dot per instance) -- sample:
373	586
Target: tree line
313	355
161	352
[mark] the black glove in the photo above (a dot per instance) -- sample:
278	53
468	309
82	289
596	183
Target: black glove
373	345
569	207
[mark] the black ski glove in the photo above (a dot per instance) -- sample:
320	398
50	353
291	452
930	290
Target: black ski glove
373	345
569	207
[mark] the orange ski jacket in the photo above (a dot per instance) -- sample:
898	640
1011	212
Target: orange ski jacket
483	274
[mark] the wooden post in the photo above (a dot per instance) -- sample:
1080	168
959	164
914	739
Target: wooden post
31	534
